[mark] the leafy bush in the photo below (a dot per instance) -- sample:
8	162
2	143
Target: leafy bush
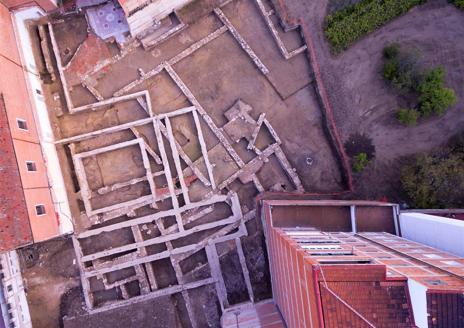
408	116
349	24
403	71
435	181
360	162
392	51
436	101
459	3
402	68
434	97
391	69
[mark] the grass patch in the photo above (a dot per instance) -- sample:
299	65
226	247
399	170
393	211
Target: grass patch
351	23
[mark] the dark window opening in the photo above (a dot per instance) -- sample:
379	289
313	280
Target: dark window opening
332	254
346	262
435	282
40	209
31	167
21	124
328	241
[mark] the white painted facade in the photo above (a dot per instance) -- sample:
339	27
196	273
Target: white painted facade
434	231
13	298
417	293
54	173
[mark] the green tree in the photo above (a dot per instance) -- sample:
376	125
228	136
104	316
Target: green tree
391	51
434	97
402	68
433	79
408	116
391	69
435	181
459	3
437	101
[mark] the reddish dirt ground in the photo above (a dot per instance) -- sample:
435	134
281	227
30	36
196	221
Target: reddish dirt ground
363	102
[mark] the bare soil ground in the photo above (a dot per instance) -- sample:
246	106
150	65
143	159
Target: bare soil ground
50	273
364	103
218	75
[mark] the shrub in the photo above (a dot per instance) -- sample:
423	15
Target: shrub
402	69
435	181
408	116
349	24
433	79
434	97
436	101
459	3
391	70
360	162
391	51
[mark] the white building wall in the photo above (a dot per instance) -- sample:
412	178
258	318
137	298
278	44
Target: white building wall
417	292
438	232
13	291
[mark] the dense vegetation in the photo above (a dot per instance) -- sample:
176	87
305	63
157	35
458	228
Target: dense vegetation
403	70
351	23
458	3
408	116
437	180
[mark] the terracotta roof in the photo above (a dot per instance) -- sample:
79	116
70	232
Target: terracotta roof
445	309
365	304
15	230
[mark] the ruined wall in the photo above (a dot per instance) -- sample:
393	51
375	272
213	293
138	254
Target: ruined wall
163	7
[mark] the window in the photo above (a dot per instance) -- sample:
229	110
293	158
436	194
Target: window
40	209
346	262
21	124
326	241
321	247
31	167
451	263
435	282
332	254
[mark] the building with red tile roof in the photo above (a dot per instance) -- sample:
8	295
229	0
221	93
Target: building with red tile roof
329	268
27	211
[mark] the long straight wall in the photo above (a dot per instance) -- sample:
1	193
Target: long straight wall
434	231
294	281
24	134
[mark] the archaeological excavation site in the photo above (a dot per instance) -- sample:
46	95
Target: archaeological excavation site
166	132
231	163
